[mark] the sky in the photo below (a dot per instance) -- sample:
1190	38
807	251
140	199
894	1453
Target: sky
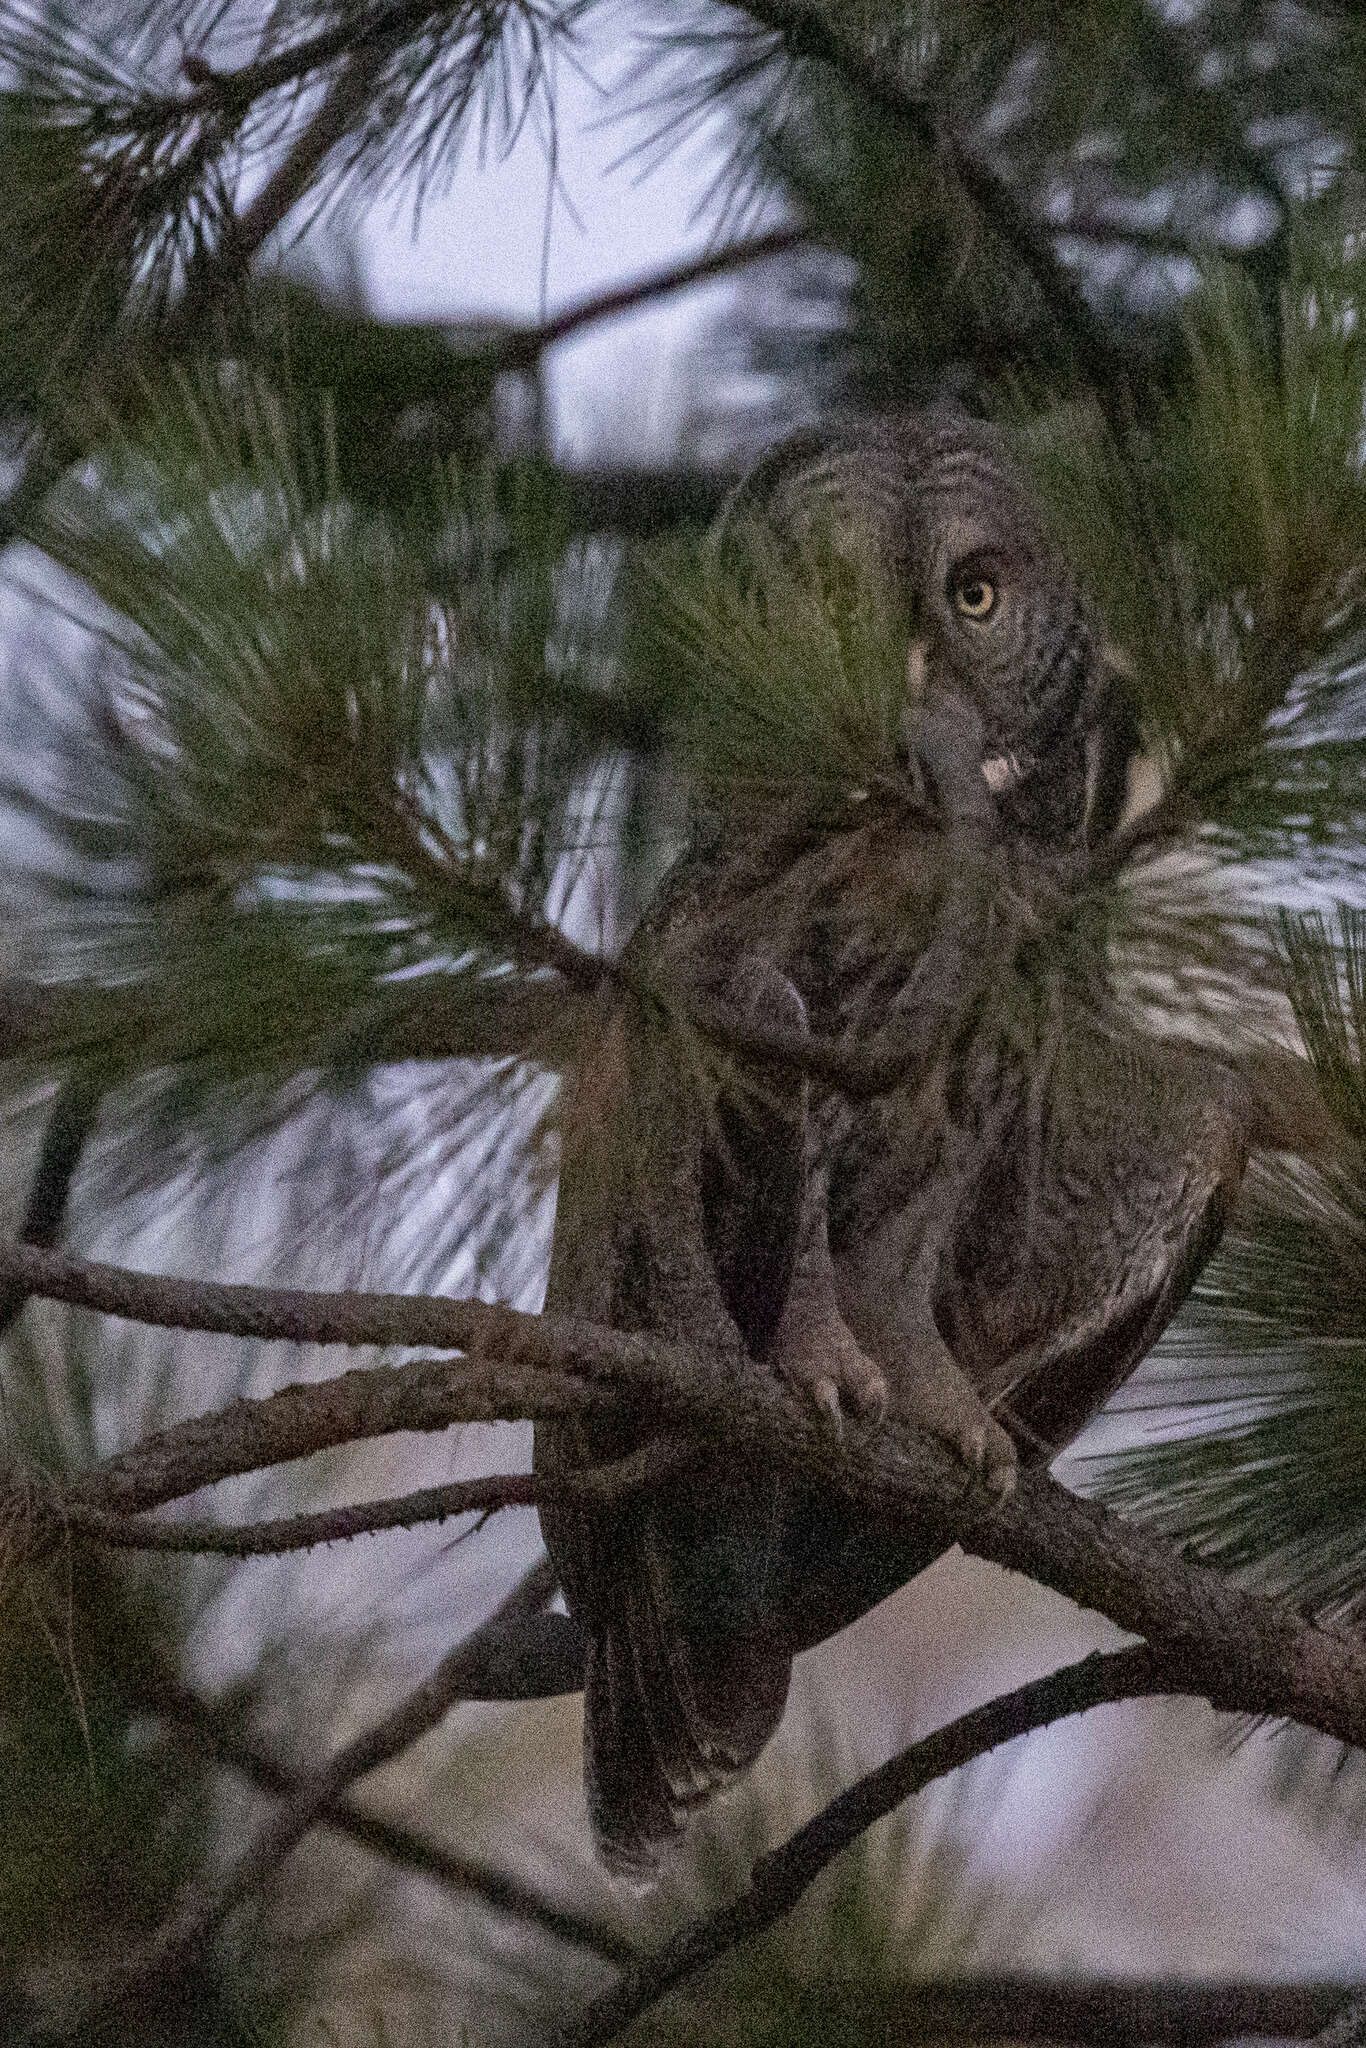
496	245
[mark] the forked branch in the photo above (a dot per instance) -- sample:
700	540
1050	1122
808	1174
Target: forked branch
1217	1642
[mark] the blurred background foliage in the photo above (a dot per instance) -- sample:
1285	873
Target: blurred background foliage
348	719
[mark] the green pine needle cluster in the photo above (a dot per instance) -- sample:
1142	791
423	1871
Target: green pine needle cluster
305	755
781	674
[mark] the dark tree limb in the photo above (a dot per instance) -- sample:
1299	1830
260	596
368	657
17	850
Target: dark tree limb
70	1122
206	1901
1174	56
1347	2029
1240	1651
807	32
780	1878
248	231
1134	2013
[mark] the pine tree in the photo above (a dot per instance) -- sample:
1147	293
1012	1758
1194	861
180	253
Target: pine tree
361	731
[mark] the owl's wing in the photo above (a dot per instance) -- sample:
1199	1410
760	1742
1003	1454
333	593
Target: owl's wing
1066	1274
671	1587
753	1165
1056	1387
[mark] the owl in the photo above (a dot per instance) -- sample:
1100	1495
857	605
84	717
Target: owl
985	1249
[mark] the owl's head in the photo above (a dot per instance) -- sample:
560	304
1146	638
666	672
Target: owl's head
993	613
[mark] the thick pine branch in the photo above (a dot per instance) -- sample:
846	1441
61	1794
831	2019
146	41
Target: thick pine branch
1240	1652
1348	2030
1125	2013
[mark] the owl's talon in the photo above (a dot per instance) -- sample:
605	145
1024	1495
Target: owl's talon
819	1355
999	1473
871	1399
990	1457
826	1396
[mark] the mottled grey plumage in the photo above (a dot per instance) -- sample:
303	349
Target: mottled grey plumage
990	1249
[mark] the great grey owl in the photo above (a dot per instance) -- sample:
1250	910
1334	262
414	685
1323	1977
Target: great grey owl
986	1249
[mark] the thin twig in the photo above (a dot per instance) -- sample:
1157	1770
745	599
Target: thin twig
780	1877
283	1533
159	1691
522	347
206	1901
646	1466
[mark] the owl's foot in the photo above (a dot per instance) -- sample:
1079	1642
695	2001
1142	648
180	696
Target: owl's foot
887	1288
988	1452
819	1355
943	1402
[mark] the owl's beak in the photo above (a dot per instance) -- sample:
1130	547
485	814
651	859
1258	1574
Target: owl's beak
1000	772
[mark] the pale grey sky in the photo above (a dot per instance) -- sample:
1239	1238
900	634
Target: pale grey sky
491	246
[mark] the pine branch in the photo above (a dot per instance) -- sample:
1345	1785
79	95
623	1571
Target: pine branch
206	1901
155	1687
780	1877
207	1726
282	1533
69	1124
1174	56
1241	1652
521	348
116	373
1347	2030
640	504
232	91
806	32
247	231
403	1023
47	1517
405	1020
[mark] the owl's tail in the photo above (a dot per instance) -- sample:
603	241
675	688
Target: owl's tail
669	1720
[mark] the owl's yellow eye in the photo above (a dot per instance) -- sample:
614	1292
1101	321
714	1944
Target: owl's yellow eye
974	595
